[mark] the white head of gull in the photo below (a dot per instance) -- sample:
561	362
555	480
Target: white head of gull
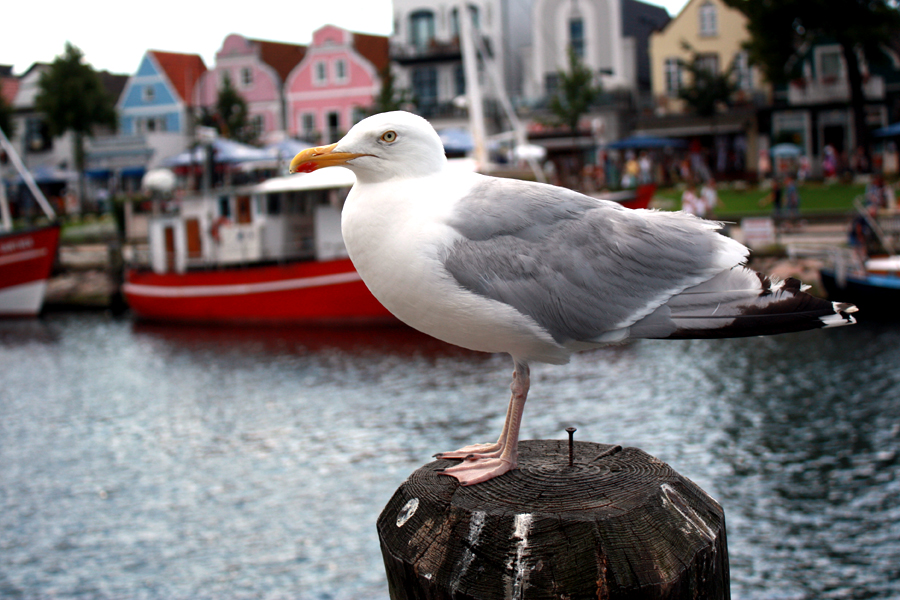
537	271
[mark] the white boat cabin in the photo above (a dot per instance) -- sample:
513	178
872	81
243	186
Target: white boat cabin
286	218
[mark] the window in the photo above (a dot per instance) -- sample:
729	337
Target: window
37	135
307	124
709	25
334	127
830	64
743	74
551	83
320	75
673	76
148	94
576	36
258	125
340	70
246	77
421	29
708	63
459	77
424	85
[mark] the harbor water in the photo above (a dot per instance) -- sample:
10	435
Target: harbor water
151	462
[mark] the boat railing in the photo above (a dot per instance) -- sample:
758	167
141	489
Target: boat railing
841	259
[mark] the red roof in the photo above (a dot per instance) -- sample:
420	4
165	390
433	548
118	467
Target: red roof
8	88
183	71
280	56
375	48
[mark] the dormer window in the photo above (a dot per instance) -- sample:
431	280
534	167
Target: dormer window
709	21
246	77
148	94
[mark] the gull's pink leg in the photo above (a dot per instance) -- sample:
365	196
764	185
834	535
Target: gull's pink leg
483	468
483	450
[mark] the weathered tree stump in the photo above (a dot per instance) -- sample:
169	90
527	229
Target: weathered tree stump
619	523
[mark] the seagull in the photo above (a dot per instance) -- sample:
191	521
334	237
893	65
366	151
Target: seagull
537	271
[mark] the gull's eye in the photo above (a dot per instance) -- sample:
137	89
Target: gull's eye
389	136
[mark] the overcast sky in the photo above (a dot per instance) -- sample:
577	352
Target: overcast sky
113	35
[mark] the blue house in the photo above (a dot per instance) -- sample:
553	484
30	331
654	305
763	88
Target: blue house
154	116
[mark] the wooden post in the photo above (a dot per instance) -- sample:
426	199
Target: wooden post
619	523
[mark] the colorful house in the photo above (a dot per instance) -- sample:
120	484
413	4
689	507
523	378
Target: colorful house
336	81
257	70
156	105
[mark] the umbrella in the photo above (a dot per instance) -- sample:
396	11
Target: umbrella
456	139
646	142
225	151
786	150
889	131
159	180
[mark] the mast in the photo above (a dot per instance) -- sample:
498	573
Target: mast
26	176
473	88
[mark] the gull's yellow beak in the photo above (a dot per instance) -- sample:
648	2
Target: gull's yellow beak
311	159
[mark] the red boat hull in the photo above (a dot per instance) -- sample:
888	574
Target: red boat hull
310	292
26	259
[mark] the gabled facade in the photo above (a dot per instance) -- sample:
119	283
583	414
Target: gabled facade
156	104
716	32
814	112
258	70
328	92
592	28
32	137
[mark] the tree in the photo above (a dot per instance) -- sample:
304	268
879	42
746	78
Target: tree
388	98
6	120
708	89
781	31
230	115
72	98
575	94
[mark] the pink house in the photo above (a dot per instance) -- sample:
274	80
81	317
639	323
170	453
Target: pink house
334	83
258	70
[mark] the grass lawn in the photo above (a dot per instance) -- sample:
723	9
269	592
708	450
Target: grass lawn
814	198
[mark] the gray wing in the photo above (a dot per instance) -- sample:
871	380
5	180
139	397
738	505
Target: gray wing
579	267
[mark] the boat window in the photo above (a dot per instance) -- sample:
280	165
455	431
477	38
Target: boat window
244	213
224	206
273	204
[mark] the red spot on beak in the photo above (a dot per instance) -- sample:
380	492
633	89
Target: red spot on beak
307	167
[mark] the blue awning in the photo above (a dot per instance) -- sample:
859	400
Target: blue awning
98	173
646	142
133	171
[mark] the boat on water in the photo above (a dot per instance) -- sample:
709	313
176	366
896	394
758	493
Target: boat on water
26	260
265	253
270	253
26	255
873	285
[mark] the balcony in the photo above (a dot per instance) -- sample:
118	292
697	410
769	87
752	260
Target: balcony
831	90
433	52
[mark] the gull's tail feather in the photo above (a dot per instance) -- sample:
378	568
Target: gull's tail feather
740	302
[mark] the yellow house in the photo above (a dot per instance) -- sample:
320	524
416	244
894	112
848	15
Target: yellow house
715	32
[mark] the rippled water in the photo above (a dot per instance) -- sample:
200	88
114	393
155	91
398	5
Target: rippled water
169	463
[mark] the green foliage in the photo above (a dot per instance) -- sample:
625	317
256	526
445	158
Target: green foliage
575	94
782	30
230	115
72	97
6	121
388	98
708	90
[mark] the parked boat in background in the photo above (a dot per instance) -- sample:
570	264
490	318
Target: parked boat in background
26	255
873	285
266	253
